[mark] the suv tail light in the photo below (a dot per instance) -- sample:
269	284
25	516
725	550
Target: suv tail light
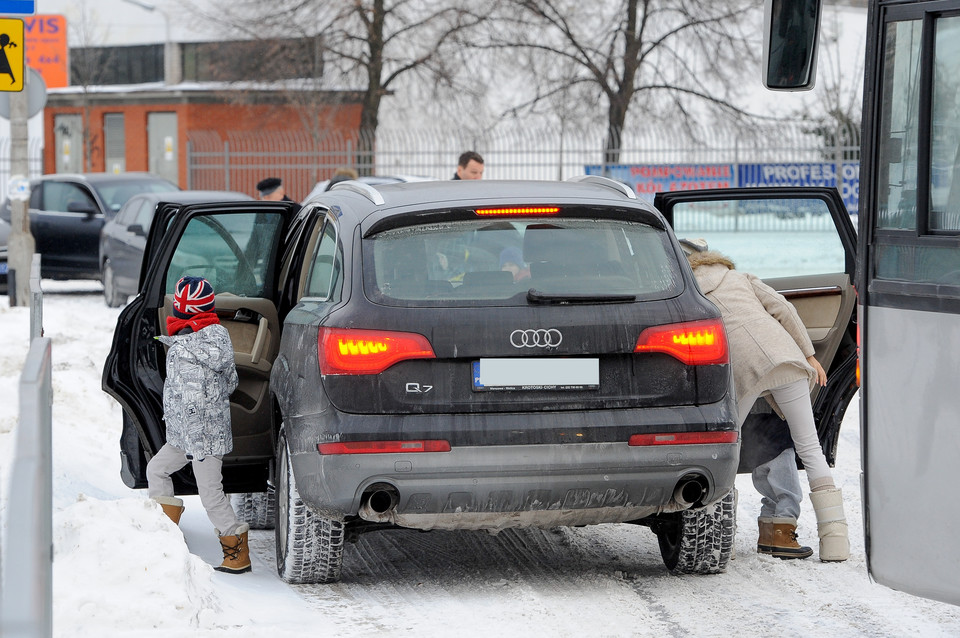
684	438
384	447
354	351
692	342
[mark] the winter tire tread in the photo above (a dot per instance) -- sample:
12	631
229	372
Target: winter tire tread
309	546
701	542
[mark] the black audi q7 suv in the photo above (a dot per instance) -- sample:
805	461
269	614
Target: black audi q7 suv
450	355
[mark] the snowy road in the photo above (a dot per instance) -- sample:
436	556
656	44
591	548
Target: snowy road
121	569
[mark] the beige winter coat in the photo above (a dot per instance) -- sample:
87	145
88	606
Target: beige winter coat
768	342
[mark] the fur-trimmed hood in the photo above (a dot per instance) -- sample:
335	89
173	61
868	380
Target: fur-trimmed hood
710	266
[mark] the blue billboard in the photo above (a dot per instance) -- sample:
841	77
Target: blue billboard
649	179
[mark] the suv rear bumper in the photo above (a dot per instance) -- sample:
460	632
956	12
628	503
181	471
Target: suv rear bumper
495	487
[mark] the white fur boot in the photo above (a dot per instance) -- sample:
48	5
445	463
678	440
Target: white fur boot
831	524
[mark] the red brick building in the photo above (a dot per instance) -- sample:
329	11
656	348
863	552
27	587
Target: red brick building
148	129
142	108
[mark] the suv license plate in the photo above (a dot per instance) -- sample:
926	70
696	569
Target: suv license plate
548	373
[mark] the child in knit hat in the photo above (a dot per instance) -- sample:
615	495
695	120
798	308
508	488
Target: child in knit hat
201	374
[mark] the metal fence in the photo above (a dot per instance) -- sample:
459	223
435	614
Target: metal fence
26	604
238	161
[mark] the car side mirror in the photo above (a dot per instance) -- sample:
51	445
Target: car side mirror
791	35
81	207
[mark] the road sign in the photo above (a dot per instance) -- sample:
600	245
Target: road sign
12	67
36	96
18	7
46	51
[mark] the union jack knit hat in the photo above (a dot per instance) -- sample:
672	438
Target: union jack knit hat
193	295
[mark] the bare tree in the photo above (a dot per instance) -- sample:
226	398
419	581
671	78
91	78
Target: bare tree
88	65
835	107
369	44
660	58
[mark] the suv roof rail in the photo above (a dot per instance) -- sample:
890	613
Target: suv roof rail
366	190
599	180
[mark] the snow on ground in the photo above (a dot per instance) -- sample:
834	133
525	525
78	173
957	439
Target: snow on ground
122	569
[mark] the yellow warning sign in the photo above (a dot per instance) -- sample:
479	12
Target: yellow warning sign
12	68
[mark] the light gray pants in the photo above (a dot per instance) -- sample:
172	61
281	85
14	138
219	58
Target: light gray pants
208	473
793	400
778	481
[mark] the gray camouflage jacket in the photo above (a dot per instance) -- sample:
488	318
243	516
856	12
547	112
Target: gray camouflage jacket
201	375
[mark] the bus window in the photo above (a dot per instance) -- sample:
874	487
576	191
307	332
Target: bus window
897	174
945	136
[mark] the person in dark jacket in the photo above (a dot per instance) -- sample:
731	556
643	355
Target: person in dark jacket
772	356
271	189
469	166
201	375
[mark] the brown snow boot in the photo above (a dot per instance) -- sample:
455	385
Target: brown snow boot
236	551
172	507
831	524
778	537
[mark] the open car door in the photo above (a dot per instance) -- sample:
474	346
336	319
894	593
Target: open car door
237	246
801	242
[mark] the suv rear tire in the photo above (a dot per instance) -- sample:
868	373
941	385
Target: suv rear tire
699	541
309	546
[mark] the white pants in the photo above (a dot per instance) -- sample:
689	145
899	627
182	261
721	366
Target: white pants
793	399
208	473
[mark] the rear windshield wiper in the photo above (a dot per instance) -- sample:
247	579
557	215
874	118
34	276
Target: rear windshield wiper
536	296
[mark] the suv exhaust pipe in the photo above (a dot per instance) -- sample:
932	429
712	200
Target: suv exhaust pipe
379	502
690	489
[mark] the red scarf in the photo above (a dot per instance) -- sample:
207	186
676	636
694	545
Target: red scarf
196	323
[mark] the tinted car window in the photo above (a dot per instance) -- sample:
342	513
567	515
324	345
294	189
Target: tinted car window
229	250
767	237
115	195
326	266
58	196
129	213
144	213
471	262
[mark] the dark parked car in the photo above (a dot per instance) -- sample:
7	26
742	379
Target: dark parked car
67	212
124	237
395	373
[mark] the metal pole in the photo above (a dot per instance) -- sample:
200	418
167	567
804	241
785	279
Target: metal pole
226	164
36	300
21	245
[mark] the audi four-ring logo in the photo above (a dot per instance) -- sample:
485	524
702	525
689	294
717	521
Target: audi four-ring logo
542	338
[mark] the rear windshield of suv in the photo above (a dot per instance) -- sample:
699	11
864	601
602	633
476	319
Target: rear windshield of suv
498	262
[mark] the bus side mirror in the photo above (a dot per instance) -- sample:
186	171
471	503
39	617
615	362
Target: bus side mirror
791	36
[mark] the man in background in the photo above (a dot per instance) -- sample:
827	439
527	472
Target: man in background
271	190
469	166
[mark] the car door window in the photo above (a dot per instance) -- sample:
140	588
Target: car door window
58	197
323	279
767	237
144	214
231	250
128	213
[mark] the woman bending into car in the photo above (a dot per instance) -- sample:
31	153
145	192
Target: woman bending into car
772	357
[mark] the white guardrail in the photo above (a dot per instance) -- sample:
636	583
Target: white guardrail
26	608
